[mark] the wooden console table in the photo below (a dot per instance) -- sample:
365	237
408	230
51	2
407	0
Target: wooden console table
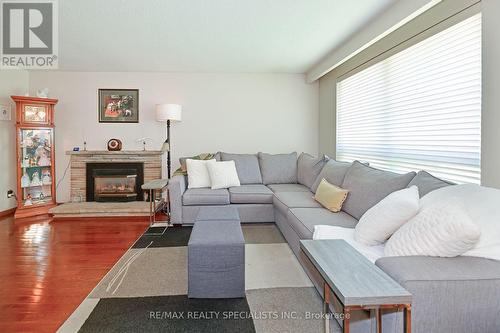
354	282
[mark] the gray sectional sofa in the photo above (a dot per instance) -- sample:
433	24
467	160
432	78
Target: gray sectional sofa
450	294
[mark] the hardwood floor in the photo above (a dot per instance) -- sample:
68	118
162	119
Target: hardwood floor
48	267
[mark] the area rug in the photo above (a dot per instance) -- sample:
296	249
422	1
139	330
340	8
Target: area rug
146	291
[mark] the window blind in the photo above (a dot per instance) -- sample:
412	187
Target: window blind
419	109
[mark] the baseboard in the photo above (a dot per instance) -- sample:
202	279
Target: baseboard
8	212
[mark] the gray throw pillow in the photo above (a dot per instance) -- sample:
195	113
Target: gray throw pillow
334	173
309	167
278	168
427	183
367	186
247	167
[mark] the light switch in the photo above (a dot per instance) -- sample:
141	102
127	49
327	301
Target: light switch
4	112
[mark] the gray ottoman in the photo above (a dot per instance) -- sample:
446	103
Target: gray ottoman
216	255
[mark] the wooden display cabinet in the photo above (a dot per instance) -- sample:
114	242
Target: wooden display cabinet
36	190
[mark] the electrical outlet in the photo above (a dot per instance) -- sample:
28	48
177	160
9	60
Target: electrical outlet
4	112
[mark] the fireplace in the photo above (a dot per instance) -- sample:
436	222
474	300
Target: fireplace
115	182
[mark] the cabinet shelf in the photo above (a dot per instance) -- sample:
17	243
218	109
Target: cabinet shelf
27	147
37	202
36	166
33	186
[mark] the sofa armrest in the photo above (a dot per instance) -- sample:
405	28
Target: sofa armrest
459	294
177	185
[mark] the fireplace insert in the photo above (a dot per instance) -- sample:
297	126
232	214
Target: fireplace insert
114	182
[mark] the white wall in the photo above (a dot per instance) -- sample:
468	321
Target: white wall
12	82
490	122
221	112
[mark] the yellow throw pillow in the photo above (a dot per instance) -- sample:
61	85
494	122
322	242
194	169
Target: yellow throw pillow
330	196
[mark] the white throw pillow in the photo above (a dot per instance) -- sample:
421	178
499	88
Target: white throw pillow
198	173
223	174
443	229
383	219
483	206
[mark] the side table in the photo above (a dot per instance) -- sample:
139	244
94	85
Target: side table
154	186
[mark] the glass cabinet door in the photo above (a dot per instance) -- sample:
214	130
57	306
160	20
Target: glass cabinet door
35	158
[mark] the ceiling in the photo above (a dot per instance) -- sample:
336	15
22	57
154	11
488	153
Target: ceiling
273	36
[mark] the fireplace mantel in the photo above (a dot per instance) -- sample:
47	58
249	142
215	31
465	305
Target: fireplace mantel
114	153
79	160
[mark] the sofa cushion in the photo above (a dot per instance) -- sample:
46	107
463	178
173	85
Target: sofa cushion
427	183
303	220
278	168
227	213
205	196
288	188
367	186
249	213
422	268
285	200
251	194
334	173
309	167
247	166
439	286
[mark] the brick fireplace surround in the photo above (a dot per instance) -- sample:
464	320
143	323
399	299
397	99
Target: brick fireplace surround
79	159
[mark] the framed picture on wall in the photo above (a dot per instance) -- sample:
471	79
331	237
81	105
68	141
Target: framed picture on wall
118	105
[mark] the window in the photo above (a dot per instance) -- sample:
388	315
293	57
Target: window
419	109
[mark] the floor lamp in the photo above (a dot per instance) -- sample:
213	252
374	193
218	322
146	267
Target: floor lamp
167	113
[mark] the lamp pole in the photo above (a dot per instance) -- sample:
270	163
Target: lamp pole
168	151
166	113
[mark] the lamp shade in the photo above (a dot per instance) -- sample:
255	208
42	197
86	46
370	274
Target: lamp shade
166	112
